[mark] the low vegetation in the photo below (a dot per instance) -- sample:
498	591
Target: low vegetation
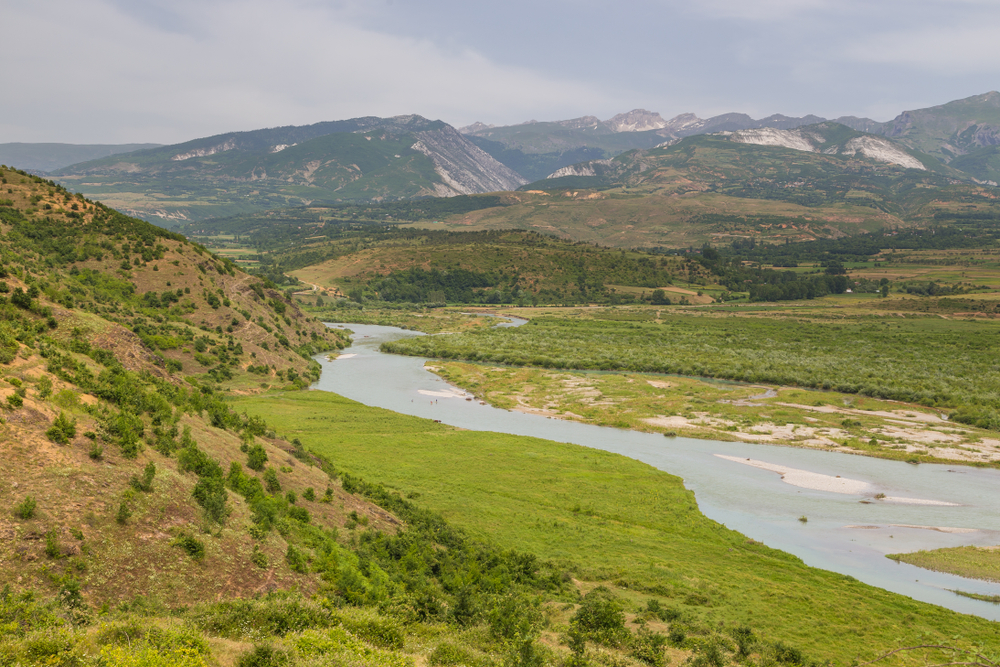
929	361
717	410
972	562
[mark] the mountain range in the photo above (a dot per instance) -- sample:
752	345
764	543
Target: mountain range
372	159
966	132
361	159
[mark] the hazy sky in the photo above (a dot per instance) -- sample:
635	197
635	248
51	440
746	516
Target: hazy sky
165	71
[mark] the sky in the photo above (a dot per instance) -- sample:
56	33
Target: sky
167	71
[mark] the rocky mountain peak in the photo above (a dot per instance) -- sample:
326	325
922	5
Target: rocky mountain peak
475	127
637	120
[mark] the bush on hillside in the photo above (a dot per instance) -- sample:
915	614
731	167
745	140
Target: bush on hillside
600	616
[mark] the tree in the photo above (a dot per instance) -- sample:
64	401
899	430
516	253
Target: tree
659	298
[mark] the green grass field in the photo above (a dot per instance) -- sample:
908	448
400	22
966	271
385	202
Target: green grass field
604	517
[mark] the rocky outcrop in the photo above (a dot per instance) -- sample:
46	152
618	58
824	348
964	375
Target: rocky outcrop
583	169
227	145
883	150
463	166
812	140
637	120
767	136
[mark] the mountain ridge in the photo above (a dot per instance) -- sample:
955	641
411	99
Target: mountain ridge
947	132
360	159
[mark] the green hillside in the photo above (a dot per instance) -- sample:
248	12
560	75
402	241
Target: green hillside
949	130
343	166
708	188
702	189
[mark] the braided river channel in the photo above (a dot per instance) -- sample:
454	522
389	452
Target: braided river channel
848	530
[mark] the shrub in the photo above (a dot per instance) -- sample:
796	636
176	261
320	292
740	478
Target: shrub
449	654
299	514
69	593
745	640
264	656
265	617
271	482
62	430
26	508
710	654
649	646
52	544
210	493
96	451
193	546
258	558
145	484
514	615
375	629
600	616
149	656
309	494
15	401
124	513
296	560
44	386
256	457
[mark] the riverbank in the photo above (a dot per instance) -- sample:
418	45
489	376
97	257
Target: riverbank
716	410
603	517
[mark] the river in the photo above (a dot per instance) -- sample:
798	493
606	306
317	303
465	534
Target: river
845	532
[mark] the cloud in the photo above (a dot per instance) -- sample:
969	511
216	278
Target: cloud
943	49
758	10
103	74
172	70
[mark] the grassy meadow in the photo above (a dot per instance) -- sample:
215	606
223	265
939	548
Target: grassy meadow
601	517
972	562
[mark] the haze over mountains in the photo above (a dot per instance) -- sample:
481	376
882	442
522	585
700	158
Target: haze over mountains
49	157
372	159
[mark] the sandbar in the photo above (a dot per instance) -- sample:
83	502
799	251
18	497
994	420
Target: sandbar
819	482
806	479
441	394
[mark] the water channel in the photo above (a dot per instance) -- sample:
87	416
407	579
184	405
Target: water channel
846	533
